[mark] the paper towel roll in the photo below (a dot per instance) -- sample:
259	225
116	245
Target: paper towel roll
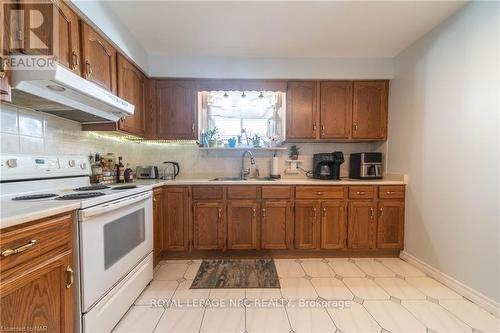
275	166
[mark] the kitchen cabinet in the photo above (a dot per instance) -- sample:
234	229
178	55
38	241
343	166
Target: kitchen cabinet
302	110
99	59
306	224
242	225
5	90
175	218
37	285
176	110
369	115
391	215
157	225
333	224
67	46
362	220
276	217
208	225
132	85
335	109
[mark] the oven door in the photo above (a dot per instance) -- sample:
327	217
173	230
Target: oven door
114	238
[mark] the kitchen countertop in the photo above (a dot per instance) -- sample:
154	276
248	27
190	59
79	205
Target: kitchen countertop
389	180
16	212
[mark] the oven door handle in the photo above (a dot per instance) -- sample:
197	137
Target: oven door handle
114	205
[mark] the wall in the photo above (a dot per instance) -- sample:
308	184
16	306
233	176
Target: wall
98	13
444	133
270	68
23	131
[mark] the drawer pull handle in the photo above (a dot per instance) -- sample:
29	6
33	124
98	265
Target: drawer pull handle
390	192
360	193
319	193
19	249
71	277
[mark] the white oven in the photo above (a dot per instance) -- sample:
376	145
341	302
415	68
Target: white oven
115	258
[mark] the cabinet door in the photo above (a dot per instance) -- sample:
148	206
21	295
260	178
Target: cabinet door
99	59
275	225
336	109
67	46
370	110
390	227
208	225
132	88
5	92
175	216
302	110
306	227
242	225
176	110
157	225
333	225
361	226
39	296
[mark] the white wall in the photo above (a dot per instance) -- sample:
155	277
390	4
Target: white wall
444	133
270	68
98	13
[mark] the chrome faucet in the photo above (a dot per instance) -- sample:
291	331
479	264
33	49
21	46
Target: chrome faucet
244	173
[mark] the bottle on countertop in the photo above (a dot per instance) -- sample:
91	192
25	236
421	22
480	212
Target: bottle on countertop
120	171
129	174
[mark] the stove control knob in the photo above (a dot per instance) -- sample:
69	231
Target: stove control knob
12	162
71	163
83	165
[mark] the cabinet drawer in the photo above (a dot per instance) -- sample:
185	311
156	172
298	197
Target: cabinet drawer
208	193
242	192
276	192
391	192
35	239
320	192
362	192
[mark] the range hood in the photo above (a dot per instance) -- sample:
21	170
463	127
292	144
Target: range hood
62	93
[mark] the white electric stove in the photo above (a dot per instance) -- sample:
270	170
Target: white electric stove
114	239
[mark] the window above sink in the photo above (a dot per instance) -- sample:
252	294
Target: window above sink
241	118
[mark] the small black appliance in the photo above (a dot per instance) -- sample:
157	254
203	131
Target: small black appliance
365	166
327	165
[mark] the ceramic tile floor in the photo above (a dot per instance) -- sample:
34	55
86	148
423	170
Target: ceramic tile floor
316	295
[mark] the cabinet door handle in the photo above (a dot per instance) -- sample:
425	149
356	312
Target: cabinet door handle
323	129
314	212
220	213
3	67
19	249
324	211
360	193
355	127
75	60
314	127
71	273
263	212
381	212
88	68
371	213
253	212
192	127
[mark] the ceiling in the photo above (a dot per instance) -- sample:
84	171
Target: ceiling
304	29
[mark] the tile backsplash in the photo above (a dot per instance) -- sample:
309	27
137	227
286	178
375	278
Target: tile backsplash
24	131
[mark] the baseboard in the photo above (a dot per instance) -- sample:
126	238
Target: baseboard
475	296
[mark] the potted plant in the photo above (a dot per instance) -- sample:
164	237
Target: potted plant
294	153
231	142
256	140
213	136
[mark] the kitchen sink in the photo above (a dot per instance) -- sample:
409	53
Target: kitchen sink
232	179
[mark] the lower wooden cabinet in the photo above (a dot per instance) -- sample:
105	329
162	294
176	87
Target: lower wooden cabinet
306	224
275	231
208	226
37	288
157	225
361	225
333	224
390	227
175	218
242	225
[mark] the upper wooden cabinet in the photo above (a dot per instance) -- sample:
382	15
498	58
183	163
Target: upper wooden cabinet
99	59
176	110
302	110
67	47
369	115
132	86
336	109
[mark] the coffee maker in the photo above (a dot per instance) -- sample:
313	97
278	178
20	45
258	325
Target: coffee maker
327	165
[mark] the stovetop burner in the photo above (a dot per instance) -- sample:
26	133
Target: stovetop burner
76	196
35	196
91	188
124	187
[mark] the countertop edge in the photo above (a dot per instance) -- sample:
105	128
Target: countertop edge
36	215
